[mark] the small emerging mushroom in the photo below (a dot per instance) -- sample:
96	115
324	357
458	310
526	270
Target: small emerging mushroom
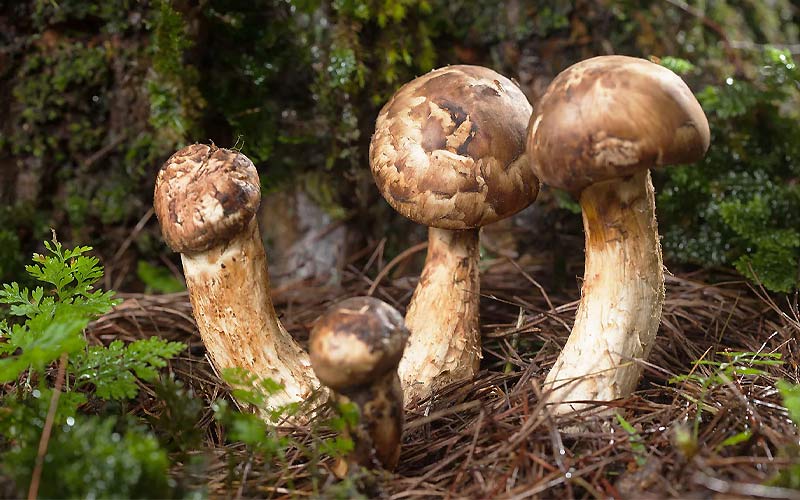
449	152
206	199
355	348
597	130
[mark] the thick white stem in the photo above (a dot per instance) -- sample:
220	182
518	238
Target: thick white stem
621	298
230	295
442	316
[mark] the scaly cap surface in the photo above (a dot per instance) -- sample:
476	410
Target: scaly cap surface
448	149
204	196
357	341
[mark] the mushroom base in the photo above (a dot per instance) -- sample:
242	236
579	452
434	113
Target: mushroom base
442	316
379	431
621	299
229	290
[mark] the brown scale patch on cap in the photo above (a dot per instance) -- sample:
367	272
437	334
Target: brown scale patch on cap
204	196
610	117
356	341
449	149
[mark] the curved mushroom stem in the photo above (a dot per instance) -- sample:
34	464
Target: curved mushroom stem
379	431
621	298
229	290
442	316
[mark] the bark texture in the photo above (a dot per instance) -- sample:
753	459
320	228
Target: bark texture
621	298
229	291
442	317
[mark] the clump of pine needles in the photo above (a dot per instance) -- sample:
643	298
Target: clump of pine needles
707	418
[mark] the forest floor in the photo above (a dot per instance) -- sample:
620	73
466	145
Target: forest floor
722	431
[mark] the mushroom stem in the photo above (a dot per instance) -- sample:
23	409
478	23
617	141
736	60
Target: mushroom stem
379	430
229	290
442	316
355	348
621	298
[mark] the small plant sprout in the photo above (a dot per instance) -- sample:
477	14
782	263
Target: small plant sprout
54	317
790	477
596	132
206	199
449	152
635	440
45	434
355	348
709	374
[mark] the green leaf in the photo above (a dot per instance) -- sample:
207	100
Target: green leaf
158	279
39	349
677	65
338	446
349	415
113	370
252	430
791	399
636	441
249	389
735	439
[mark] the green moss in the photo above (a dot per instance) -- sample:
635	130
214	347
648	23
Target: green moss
54	92
172	85
739	206
125	463
101	96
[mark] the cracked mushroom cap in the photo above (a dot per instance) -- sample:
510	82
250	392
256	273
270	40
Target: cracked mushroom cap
610	116
357	341
449	149
204	196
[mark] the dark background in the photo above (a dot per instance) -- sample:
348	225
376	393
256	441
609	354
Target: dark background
94	96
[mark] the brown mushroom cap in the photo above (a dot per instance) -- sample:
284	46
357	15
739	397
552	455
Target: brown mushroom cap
448	149
610	116
356	341
204	196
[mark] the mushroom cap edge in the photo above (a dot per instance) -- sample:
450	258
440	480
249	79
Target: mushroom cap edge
356	341
610	116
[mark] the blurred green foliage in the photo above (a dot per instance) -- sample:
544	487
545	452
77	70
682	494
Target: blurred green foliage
87	456
741	204
158	279
790	477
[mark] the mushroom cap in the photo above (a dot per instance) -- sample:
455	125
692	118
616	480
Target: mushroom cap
610	116
449	149
204	196
356	341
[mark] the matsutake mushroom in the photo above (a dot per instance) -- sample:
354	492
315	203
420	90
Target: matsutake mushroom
355	348
206	199
599	127
449	152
